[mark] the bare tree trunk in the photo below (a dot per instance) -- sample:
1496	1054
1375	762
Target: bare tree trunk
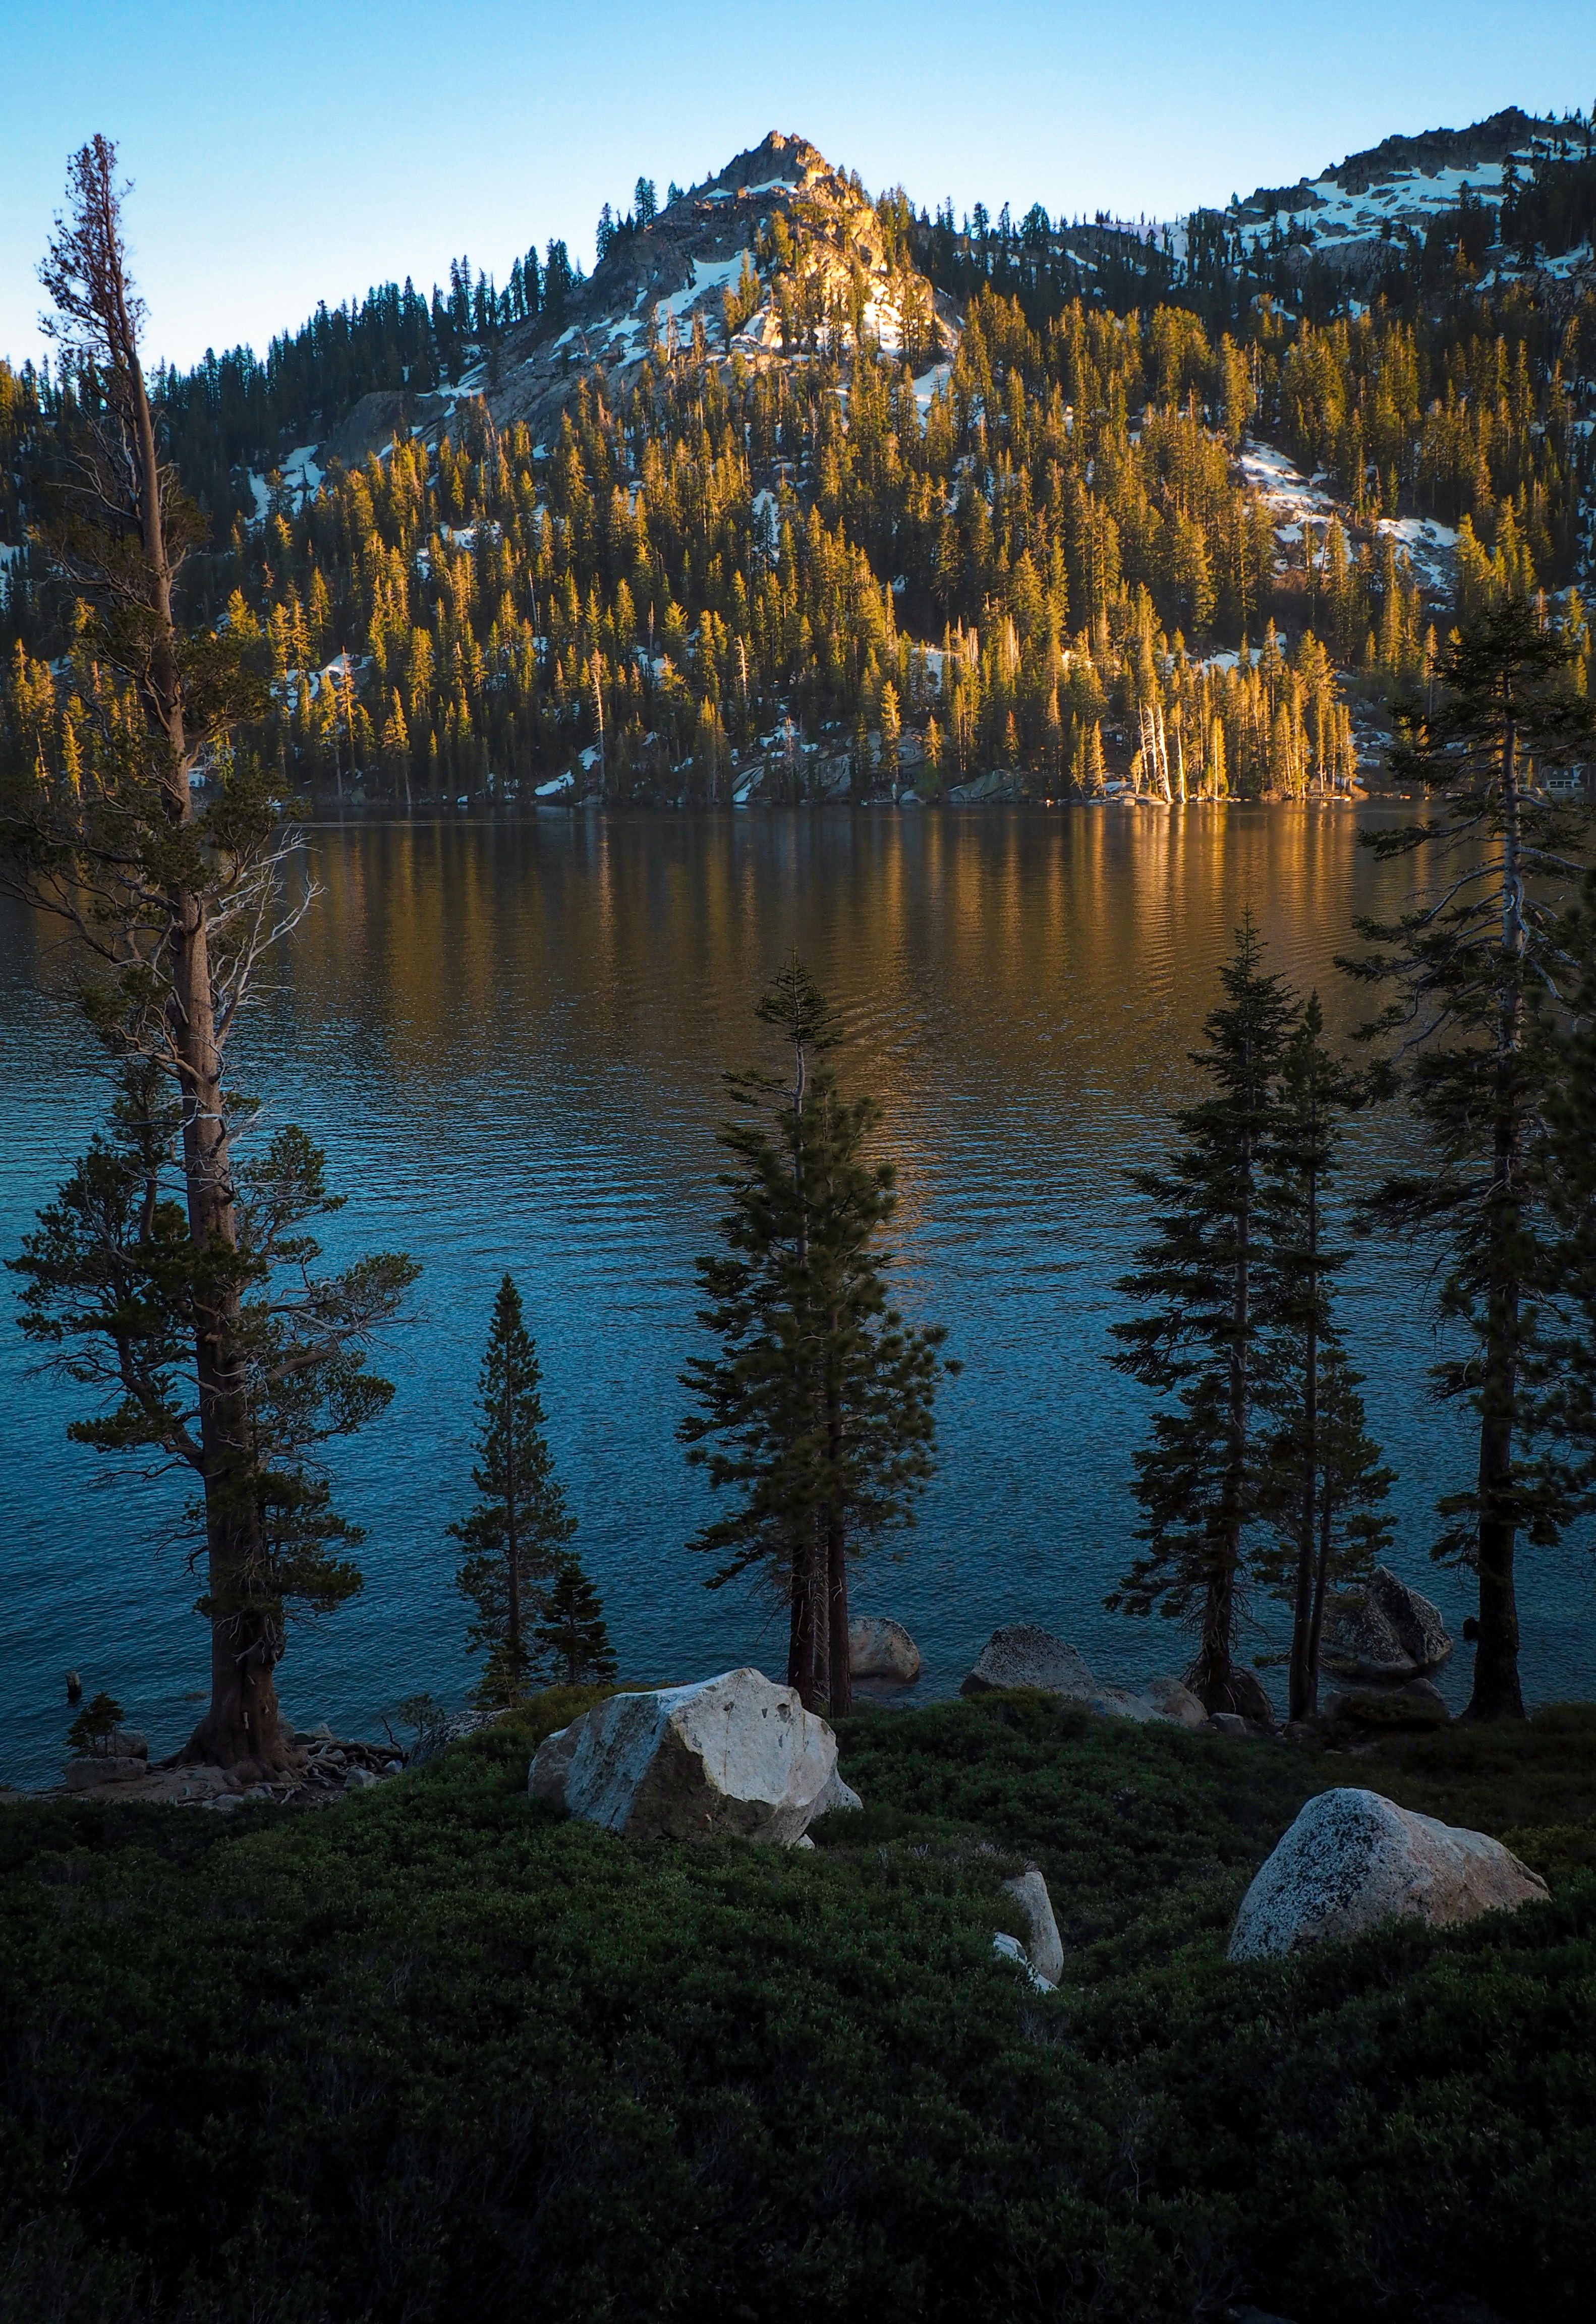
512	1542
1497	1692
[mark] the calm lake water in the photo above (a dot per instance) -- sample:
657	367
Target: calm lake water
509	1038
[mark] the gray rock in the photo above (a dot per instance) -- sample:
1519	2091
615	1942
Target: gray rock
1370	1709
551	1763
360	1779
1025	1656
879	1647
1228	1722
103	1774
1353	1858
1386	1632
735	1755
126	1743
1173	1699
1045	1951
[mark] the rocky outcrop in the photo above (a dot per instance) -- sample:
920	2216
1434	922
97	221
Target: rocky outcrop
1025	1656
1386	1632
112	1773
879	1647
735	1755
1353	1858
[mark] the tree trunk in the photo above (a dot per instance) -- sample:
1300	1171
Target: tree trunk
512	1544
1213	1675
241	1729
1303	1687
1321	1586
1497	1692
840	1695
802	1657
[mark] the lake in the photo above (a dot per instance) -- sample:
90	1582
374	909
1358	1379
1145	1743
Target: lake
508	1036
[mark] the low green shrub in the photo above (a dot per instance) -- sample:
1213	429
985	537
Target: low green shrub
439	2052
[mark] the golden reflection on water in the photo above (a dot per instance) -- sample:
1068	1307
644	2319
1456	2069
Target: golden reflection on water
511	1037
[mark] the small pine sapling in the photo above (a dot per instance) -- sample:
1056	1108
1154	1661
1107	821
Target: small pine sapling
89	1735
572	1630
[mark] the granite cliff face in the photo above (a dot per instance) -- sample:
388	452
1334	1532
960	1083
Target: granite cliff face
795	242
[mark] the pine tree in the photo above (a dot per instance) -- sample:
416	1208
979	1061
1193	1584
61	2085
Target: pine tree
89	1735
1200	1480
116	1289
571	1628
1561	1379
1482	982
514	1537
819	1409
1321	1476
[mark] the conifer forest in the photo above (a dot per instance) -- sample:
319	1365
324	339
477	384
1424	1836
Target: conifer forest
825	929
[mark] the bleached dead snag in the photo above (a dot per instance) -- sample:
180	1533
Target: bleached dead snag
731	1757
1353	1858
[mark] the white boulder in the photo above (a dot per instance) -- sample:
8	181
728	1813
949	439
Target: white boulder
734	1756
879	1647
1353	1858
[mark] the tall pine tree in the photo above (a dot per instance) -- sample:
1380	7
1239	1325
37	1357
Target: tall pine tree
1321	1475
820	1408
1199	1480
513	1538
1482	982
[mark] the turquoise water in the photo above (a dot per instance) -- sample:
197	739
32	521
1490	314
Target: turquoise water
508	1036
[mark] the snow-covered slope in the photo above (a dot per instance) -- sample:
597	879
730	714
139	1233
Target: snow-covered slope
1349	211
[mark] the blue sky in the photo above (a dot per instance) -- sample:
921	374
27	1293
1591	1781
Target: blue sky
284	152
